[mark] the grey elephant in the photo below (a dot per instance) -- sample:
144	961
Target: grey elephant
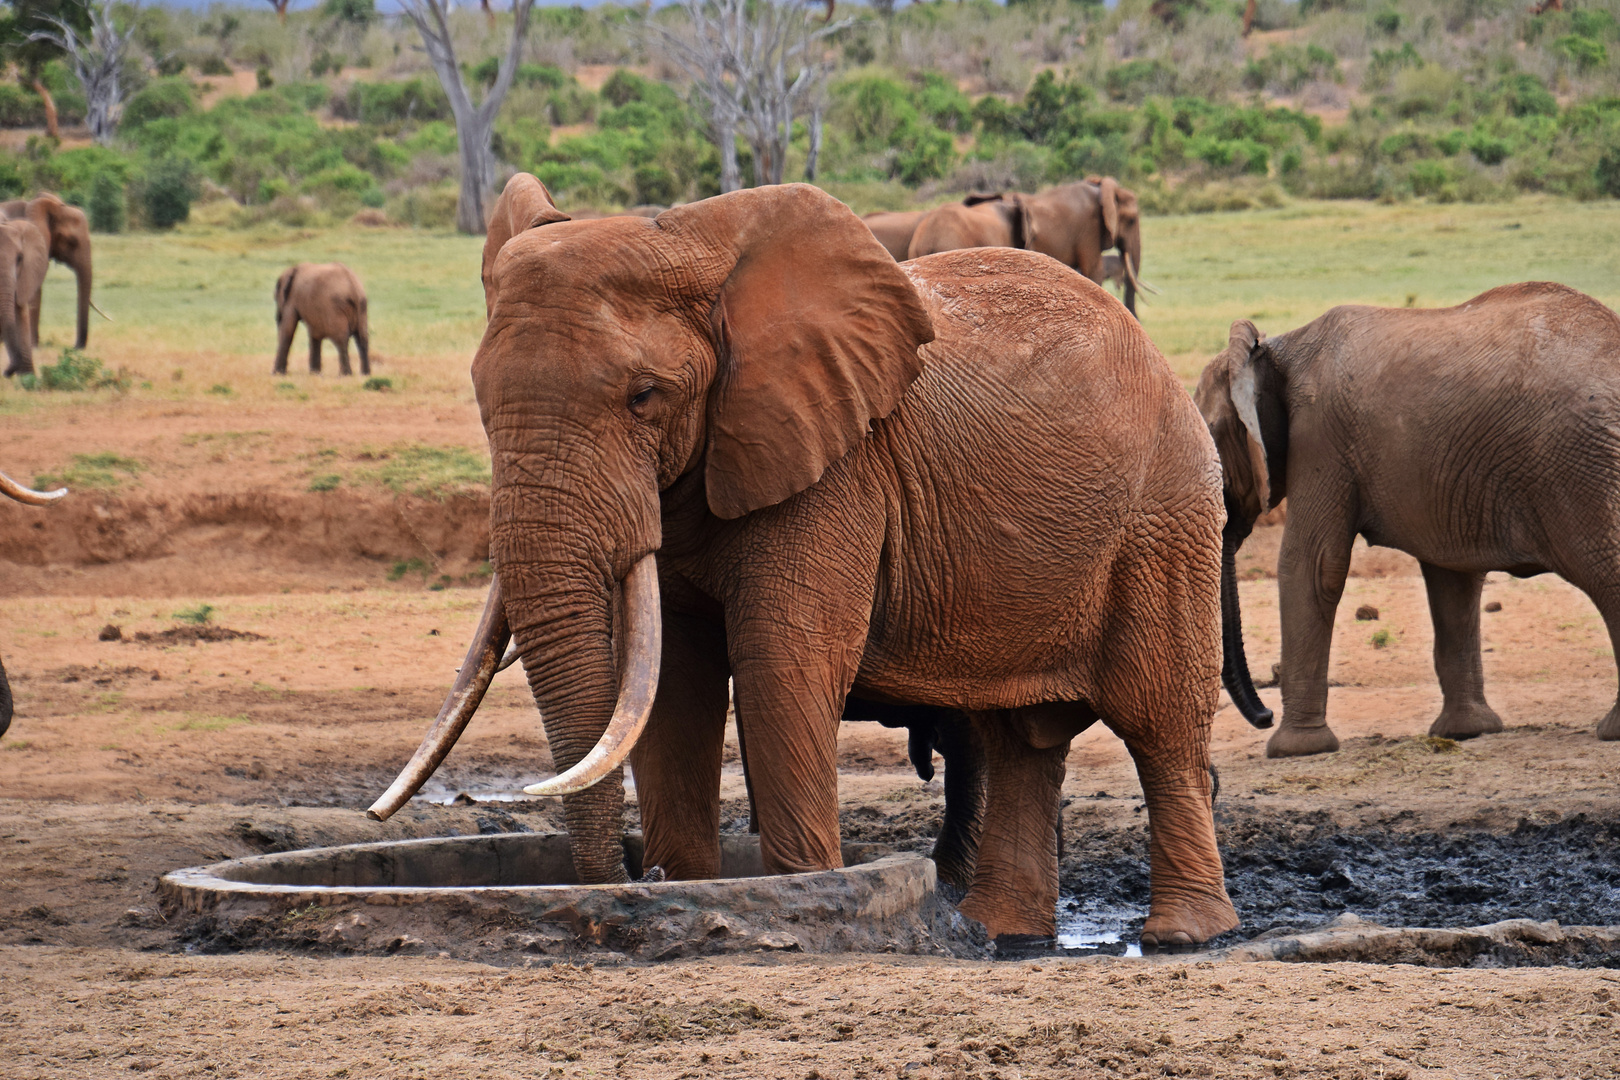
14	490
739	441
330	301
23	259
1475	438
67	233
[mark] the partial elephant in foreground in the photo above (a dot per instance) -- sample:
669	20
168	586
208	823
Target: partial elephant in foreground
330	301
67	233
1001	220
23	259
739	441
894	230
1474	438
12	489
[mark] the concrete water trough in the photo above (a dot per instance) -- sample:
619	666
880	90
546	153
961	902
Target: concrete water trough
515	894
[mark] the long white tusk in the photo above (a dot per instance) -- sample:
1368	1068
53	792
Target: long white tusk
103	314
509	659
644	633
472	680
1136	281
8	486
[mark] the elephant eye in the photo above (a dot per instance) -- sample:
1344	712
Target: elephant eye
641	397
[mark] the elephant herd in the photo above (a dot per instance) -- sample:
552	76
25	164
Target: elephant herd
757	452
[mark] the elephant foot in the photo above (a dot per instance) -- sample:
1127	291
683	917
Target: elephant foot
1466	721
1183	923
1608	728
1293	741
1011	916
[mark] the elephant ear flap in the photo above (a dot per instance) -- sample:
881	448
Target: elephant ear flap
524	204
816	331
1108	199
1023	224
1228	396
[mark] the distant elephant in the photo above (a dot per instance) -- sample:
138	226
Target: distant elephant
11	488
893	229
1077	223
1474	438
23	261
739	441
331	302
68	232
1001	220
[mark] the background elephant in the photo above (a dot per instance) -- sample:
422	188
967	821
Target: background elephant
12	489
1001	220
23	260
894	229
714	458
1076	223
67	231
332	304
1474	438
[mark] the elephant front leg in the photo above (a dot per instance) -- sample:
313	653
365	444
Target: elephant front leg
1310	581
1454	609
1015	879
676	761
362	343
314	353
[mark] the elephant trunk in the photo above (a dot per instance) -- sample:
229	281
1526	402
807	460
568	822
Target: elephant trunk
81	334
472	681
1234	664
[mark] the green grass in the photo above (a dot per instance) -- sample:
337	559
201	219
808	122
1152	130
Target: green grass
429	471
100	471
197	616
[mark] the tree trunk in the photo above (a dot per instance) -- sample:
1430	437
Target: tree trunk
281	9
50	107
475	139
815	144
725	135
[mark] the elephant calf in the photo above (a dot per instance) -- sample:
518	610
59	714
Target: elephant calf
1474	438
331	302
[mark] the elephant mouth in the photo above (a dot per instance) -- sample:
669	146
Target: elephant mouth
638	685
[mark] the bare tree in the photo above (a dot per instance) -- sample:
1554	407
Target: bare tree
475	124
758	64
98	62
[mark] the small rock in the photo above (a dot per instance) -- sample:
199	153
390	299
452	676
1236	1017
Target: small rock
349	930
778	942
1366	613
1494	606
116	633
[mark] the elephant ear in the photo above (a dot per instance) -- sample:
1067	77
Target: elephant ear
1021	220
1240	397
816	331
524	204
1108	201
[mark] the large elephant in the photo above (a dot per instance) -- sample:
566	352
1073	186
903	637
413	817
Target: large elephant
740	441
893	229
331	302
12	489
1076	223
1001	220
67	231
1475	438
23	261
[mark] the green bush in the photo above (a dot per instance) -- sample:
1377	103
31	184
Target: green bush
75	371
1585	53
106	204
1524	95
215	65
1488	149
170	186
415	99
19	107
1608	171
160	98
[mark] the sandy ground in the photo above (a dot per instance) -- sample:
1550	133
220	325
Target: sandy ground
129	758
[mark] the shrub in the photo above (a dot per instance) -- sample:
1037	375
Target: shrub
75	371
171	185
1608	171
215	65
19	107
1429	177
1489	149
106	204
196	616
1524	95
378	383
1585	53
160	98
266	80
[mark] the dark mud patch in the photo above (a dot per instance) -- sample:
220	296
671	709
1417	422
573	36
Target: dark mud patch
192	635
1295	874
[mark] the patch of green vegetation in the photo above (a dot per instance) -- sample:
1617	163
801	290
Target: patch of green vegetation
222	389
95	471
1380	638
197	616
328	482
408	566
16	744
209	722
427	471
378	383
74	370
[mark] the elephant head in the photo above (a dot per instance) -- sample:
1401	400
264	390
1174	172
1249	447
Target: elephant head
1122	230
12	489
739	345
68	232
1240	395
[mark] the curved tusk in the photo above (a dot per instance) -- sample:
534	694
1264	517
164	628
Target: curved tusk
644	631
98	311
1136	282
472	680
8	486
509	659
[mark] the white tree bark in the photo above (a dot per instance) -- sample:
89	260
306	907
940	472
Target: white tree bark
475	124
757	65
97	63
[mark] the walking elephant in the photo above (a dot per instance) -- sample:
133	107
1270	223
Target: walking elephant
1001	220
67	232
331	302
1475	438
739	441
23	261
893	229
14	490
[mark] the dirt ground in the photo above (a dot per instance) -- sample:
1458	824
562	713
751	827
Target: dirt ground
129	758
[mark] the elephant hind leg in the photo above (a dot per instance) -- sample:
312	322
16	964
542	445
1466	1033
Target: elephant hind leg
314	351
1454	609
1607	598
956	849
342	344
362	343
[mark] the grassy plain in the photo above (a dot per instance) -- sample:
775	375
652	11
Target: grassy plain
193	313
